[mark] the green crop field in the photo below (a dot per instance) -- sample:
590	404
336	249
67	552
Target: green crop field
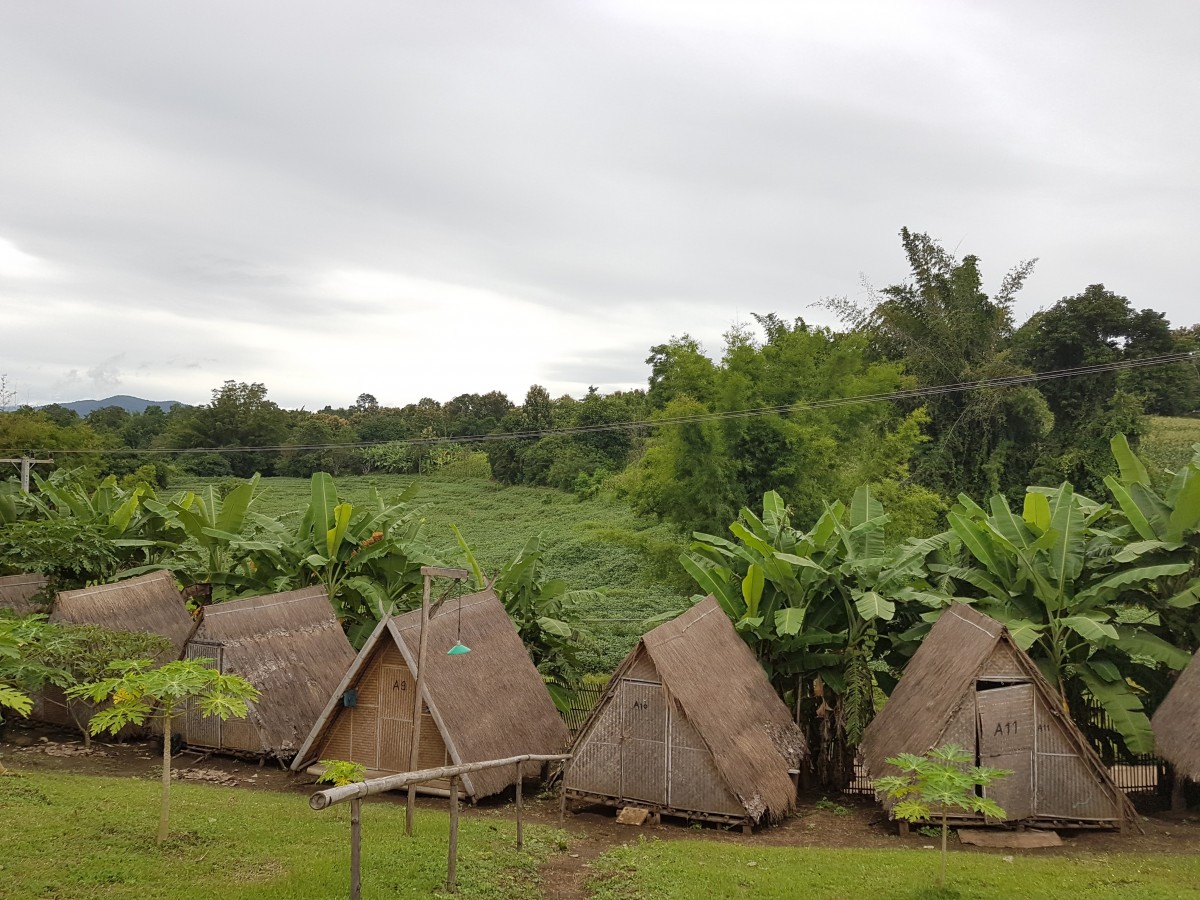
1168	445
596	544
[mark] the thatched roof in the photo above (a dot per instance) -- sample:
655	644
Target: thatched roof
1176	723
16	592
936	681
713	676
291	648
490	703
149	603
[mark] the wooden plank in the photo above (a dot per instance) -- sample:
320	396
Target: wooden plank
1029	839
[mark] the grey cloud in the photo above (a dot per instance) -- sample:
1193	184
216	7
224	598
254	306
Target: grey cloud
218	161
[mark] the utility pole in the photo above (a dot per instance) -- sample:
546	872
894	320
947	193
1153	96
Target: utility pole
26	463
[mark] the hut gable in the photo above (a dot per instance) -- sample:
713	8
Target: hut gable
691	692
970	684
149	603
1176	723
289	646
17	593
490	703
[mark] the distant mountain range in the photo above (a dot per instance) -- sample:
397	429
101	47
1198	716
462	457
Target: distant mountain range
127	403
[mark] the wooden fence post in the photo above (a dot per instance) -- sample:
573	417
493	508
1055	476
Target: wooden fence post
520	831
562	799
355	849
452	862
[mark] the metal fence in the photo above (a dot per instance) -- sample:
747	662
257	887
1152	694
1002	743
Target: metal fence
584	698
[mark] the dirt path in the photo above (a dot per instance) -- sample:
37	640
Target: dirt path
845	822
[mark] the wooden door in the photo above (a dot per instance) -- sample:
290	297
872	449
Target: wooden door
1006	741
643	741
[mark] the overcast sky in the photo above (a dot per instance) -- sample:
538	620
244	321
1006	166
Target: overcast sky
427	198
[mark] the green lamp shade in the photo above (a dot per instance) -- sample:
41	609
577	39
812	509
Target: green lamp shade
458	649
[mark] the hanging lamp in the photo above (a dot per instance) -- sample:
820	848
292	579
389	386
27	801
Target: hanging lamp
459	647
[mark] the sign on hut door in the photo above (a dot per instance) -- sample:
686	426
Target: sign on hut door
643	741
1006	732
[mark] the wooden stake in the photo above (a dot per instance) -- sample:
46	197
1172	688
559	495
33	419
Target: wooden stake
452	862
562	798
418	702
355	849
520	830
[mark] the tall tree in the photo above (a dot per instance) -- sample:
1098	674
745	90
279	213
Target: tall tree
946	331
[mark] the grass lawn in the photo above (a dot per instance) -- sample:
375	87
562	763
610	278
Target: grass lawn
691	868
595	544
74	836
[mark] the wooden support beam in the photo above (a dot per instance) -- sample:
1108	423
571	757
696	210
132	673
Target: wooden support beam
330	796
355	849
520	830
442	572
418	700
452	861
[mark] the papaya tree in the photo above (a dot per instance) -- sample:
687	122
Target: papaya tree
1061	581
823	610
137	692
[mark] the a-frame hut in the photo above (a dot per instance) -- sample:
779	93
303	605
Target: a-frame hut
969	684
690	726
17	593
149	603
490	703
1176	723
289	646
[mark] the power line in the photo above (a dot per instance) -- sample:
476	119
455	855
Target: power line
798	407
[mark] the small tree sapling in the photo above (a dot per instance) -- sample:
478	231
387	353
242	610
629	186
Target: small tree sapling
941	780
137	692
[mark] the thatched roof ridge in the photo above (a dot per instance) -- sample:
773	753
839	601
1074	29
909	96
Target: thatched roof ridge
149	603
289	646
16	591
708	669
934	684
490	703
1176	723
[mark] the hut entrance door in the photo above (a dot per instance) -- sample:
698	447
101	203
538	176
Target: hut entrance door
643	741
200	730
1006	731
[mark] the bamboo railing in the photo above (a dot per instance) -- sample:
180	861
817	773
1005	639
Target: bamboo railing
354	794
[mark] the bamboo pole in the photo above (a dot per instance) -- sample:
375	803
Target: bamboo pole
452	861
331	796
520	830
418	701
356	849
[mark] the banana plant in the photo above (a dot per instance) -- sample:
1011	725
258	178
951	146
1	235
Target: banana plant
1163	528
129	518
367	557
542	609
1060	581
822	609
